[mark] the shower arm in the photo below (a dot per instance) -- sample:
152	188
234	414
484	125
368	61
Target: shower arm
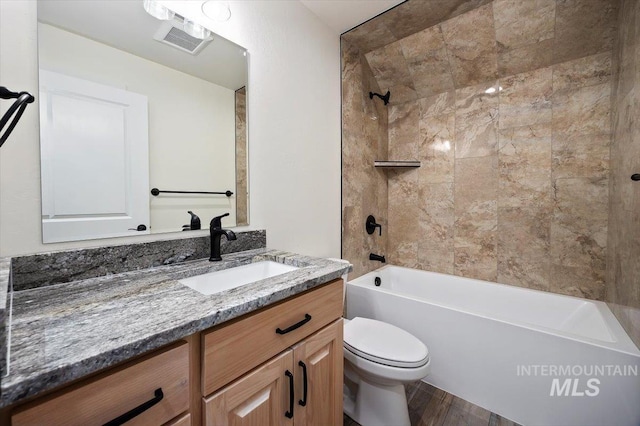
384	97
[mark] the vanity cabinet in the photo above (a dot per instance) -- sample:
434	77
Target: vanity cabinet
301	381
300	386
160	381
254	370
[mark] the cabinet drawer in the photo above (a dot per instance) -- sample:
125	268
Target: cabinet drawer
114	393
235	348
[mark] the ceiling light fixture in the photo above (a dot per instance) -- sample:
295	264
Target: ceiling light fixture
195	30
217	10
157	10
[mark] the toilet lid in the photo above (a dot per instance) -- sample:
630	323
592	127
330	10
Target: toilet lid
384	343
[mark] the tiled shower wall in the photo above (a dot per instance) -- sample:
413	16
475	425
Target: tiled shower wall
364	139
507	106
623	262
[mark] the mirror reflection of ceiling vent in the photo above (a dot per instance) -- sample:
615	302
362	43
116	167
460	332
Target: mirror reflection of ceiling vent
171	33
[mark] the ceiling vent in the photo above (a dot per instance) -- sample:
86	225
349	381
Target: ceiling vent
171	33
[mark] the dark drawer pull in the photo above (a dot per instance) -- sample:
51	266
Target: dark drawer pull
289	414
138	410
306	319
303	401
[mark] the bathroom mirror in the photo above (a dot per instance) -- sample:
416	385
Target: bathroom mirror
129	103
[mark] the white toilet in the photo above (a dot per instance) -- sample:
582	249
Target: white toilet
380	359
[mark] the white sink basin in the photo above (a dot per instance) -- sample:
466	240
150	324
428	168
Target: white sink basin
215	282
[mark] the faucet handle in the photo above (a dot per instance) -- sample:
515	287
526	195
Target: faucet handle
216	222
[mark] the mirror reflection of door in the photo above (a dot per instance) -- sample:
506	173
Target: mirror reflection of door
91	135
197	138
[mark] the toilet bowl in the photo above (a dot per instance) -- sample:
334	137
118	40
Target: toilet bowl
380	359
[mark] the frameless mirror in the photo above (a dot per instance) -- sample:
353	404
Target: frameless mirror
140	123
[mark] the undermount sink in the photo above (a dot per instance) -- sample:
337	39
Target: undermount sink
226	279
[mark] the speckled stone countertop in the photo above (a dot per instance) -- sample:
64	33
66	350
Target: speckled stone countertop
5	268
63	332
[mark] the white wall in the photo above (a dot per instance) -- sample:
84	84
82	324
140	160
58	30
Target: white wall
294	127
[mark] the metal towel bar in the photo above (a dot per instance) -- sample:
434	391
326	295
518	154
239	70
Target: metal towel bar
155	192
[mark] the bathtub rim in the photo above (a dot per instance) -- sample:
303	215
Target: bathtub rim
622	343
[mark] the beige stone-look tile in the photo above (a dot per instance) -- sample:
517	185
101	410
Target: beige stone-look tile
627	49
436	149
581	204
389	67
588	71
403	253
404	131
402	243
579	237
582	111
403	216
524	237
416	15
471	46
584	27
525	58
476	120
370	36
442	103
428	63
525	99
525	152
436	257
476	191
524	190
581	155
577	281
436	214
364	189
528	272
476	258
475	195
573	248
525	199
523	22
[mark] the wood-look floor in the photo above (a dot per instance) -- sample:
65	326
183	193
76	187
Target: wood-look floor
429	406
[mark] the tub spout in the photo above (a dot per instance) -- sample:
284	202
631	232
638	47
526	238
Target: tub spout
377	257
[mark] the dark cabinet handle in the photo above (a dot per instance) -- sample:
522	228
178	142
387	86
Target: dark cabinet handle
306	319
303	401
289	414
138	410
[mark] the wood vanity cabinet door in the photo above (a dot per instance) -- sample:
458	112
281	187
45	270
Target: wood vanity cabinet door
113	393
322	358
260	398
234	348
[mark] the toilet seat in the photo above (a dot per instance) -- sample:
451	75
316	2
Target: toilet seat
384	343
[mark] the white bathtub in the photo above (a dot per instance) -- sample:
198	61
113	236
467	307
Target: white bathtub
533	357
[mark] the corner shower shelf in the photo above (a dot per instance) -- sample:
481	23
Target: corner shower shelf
397	164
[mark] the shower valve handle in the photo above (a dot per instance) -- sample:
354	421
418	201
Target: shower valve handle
371	225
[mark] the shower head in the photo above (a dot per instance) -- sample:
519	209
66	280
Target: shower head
385	98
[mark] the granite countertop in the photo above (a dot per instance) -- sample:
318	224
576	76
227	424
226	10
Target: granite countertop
63	332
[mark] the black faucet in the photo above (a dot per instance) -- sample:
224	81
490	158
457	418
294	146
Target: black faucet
216	231
377	257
